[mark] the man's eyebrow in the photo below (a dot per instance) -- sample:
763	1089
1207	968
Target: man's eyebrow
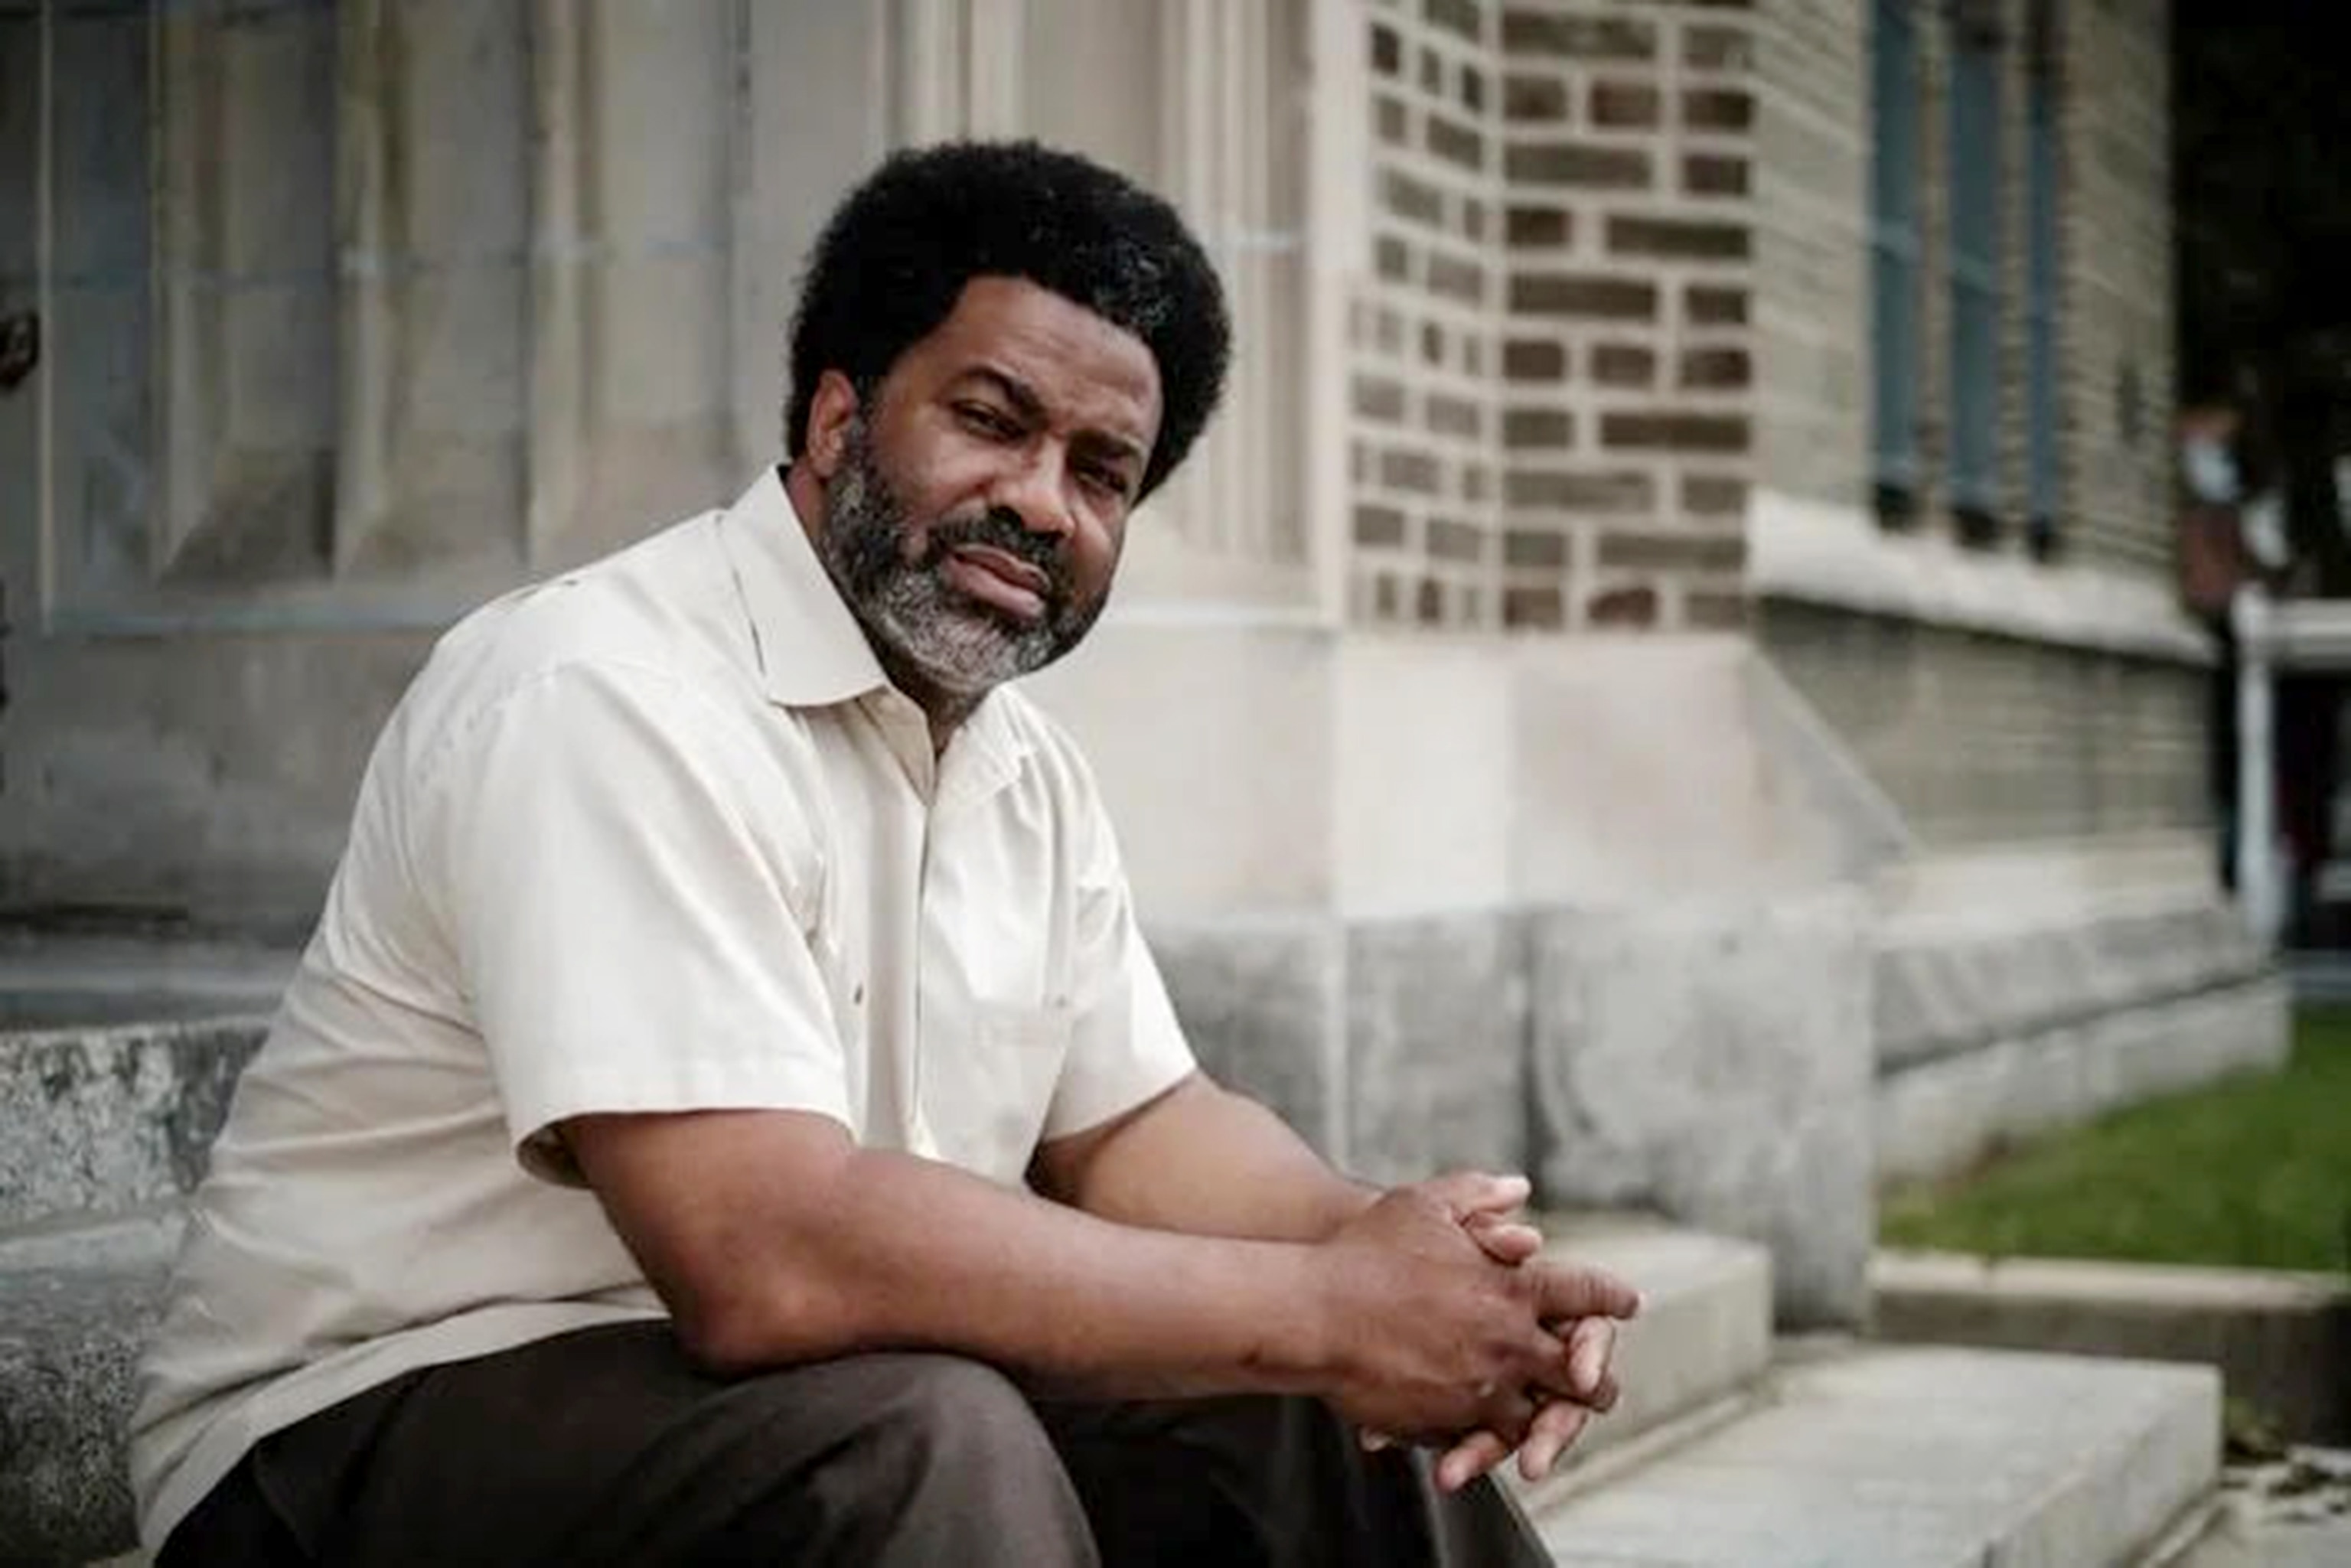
1029	406
1010	388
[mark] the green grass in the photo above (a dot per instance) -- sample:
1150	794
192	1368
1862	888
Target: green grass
2251	1171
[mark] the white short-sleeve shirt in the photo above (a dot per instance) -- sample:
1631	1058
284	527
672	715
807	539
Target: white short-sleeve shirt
656	835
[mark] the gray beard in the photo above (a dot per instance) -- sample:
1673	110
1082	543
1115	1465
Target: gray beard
918	623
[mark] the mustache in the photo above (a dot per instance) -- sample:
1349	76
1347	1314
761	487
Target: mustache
1000	528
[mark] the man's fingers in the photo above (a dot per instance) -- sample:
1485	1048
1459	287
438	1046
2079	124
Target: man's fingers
1468	1459
1580	1290
1465	1193
1590	1346
1556	1426
1505	1240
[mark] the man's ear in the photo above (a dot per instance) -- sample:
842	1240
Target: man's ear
832	411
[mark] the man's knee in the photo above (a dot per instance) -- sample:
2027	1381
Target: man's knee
951	1409
951	1436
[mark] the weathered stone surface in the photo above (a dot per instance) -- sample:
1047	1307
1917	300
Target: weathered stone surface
2292	1511
1260	1002
1943	1458
1942	1115
2282	1340
75	1313
1436	1063
1941	991
1714	1063
99	1120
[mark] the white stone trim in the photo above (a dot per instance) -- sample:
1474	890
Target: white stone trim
1338	256
2296	634
994	33
1829	554
557	430
931	61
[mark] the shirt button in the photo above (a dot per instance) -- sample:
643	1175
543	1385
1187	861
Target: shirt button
857	994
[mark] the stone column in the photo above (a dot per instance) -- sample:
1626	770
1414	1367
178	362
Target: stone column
2257	879
244	249
928	46
1717	1064
813	117
633	224
434	198
1232	528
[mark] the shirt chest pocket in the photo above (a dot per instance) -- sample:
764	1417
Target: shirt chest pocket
987	1100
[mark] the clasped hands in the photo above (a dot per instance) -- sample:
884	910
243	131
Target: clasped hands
1463	1337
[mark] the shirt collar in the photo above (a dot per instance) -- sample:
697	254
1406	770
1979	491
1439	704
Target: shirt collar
809	650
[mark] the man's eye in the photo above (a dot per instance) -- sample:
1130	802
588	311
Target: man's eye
985	420
1109	481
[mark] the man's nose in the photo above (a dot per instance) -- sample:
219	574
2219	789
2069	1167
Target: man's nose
1034	488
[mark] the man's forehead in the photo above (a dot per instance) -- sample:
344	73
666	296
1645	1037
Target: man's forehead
1058	350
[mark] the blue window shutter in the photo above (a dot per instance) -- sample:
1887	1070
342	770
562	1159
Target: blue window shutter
1975	256
1894	245
2041	367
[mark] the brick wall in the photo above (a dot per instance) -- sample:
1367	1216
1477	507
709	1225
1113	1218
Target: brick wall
2116	326
1629	151
1983	739
1555	360
1812	191
1425	443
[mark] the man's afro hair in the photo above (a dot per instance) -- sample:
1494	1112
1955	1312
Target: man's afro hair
895	257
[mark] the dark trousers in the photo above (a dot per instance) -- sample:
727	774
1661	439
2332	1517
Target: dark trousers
607	1447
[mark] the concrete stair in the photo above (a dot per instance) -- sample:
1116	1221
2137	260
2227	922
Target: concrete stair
77	1303
117	1061
1728	1449
1878	1456
1703	1335
1733	1449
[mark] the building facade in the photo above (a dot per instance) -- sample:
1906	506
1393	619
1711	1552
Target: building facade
1665	673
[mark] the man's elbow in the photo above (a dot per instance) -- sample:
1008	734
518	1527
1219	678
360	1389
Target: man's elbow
735	1330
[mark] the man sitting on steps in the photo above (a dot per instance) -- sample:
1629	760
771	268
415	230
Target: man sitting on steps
727	1111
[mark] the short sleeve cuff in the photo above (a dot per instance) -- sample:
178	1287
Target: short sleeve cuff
746	1082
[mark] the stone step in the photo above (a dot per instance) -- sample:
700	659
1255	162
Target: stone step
1704	1329
1878	1457
103	1119
2282	1340
75	1307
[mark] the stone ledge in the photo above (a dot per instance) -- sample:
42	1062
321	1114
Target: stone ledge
105	1119
1838	555
1705	1328
1942	1116
2282	1341
1945	1458
76	1310
1942	991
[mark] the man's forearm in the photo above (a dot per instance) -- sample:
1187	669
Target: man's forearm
882	1251
776	1240
919	1254
1204	1160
